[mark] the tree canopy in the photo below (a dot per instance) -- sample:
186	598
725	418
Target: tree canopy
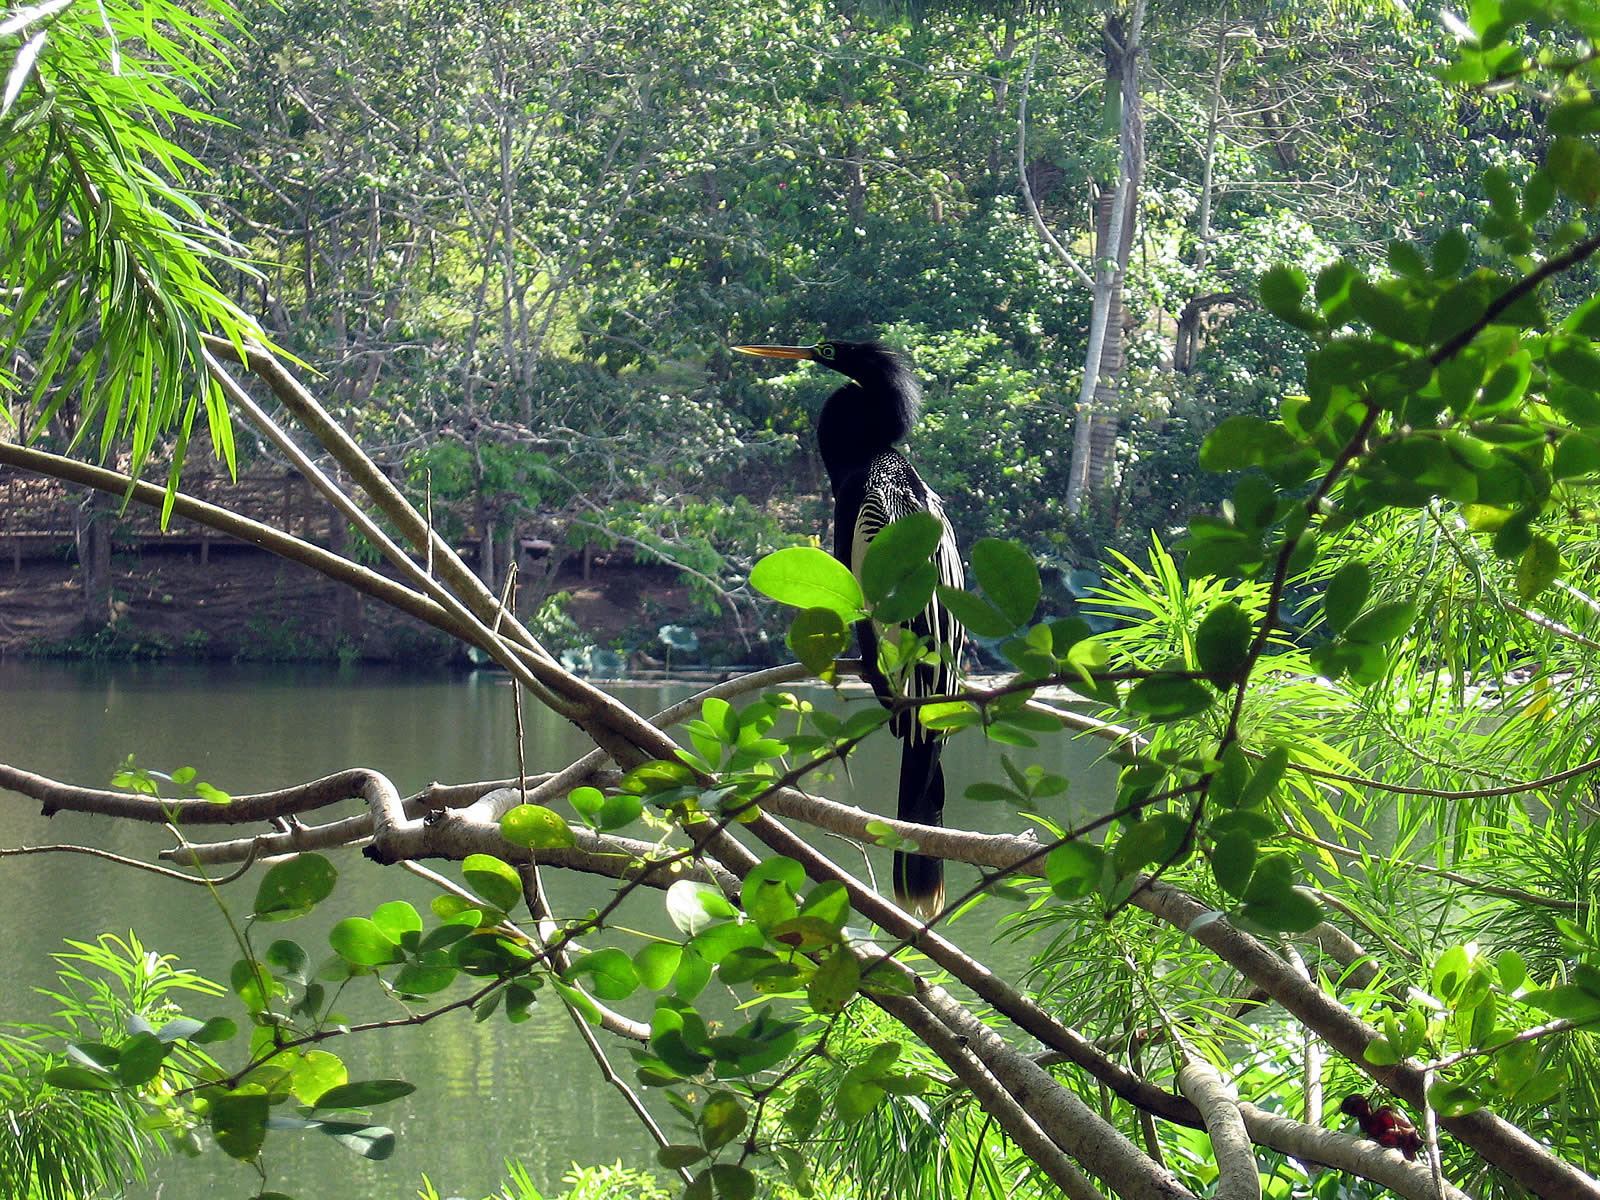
1321	574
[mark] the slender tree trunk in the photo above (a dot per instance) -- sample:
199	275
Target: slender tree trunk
92	533
1095	432
1186	341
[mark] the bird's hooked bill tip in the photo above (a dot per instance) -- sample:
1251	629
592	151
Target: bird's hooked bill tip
778	351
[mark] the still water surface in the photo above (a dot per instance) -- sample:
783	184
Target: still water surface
486	1092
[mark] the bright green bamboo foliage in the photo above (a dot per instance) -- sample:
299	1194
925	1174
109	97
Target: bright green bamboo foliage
108	261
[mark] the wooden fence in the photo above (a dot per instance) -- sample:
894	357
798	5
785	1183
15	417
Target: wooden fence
37	514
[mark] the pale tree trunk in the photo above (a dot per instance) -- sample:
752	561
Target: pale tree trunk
1095	432
1187	339
91	522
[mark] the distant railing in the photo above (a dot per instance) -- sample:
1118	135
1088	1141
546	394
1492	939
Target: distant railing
36	512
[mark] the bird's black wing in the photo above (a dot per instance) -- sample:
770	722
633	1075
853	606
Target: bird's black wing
894	490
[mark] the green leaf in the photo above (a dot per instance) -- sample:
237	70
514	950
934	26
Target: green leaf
239	1121
620	810
360	941
1576	454
769	891
140	1059
1009	578
1452	1099
857	1098
375	1142
722	1181
696	906
1157	841
1538	567
586	801
1347	592
805	577
1074	869
366	1093
288	959
1381	625
1291	910
80	1079
674	1157
1388	314
722	1119
1169	698
611	973
536	827
899	549
1233	858
803	1112
656	964
834	984
1283	293
818	636
1265	778
1566	1000
495	880
1242	441
1574	164
981	618
315	1073
1222	644
397	919
294	887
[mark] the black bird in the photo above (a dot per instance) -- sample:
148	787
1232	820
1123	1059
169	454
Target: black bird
873	485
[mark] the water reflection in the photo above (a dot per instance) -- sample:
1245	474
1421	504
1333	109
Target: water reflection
487	1091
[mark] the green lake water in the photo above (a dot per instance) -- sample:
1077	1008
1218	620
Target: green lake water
486	1092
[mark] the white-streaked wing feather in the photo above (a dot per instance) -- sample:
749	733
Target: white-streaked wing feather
894	490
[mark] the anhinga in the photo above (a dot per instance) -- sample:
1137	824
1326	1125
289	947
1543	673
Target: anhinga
873	485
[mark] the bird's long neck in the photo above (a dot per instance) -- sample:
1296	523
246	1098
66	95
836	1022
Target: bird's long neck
862	420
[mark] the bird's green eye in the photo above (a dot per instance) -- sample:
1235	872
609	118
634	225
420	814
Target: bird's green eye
824	350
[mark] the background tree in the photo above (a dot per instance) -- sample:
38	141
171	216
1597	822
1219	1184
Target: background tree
1449	407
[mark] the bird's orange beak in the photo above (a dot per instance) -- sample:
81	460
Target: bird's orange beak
778	351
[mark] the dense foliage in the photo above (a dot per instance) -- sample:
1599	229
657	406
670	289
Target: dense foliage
1346	679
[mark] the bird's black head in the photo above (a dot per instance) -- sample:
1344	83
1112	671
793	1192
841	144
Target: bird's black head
872	416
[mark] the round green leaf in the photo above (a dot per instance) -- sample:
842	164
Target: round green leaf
818	636
360	941
1233	858
1009	578
805	577
294	887
611	973
397	918
315	1073
1283	292
722	1119
696	906
835	982
1222	643
981	618
900	548
1381	625
496	881
1169	698
1074	868
1347	592
537	827
657	962
239	1121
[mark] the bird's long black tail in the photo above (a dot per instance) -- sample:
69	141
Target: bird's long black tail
918	879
